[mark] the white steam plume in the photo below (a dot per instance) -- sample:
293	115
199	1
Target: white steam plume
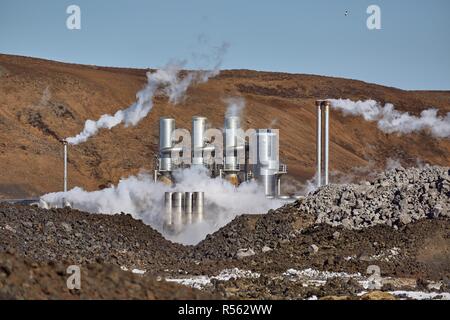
390	120
168	80
144	199
235	106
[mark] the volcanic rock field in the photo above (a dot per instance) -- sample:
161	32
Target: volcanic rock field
325	246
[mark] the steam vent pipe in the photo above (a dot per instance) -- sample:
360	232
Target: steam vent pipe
188	207
168	208
323	106
233	142
198	199
198	139
268	164
327	139
177	210
65	165
319	144
166	129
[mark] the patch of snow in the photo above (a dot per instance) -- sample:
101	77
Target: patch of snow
138	271
199	282
420	295
386	256
316	274
315	277
350	258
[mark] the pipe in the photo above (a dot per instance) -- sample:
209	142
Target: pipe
168	208
326	106
278	186
198	199
65	165
233	142
198	139
267	160
177	210
319	143
166	129
188	207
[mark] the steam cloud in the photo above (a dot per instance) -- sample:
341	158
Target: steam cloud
235	107
390	120
168	80
144	199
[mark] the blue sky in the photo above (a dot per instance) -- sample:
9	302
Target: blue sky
411	51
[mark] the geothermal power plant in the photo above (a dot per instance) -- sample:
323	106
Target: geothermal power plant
236	159
238	156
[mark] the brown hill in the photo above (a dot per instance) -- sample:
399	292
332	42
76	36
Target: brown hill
42	101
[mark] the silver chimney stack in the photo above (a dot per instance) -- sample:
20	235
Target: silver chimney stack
267	160
177	210
168	209
198	139
327	139
234	142
166	129
319	144
323	106
188	207
198	199
65	165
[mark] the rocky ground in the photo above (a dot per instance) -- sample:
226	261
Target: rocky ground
22	278
388	238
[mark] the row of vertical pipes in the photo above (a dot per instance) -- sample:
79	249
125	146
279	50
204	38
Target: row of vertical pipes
182	208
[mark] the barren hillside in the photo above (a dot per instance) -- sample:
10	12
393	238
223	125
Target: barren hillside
42	101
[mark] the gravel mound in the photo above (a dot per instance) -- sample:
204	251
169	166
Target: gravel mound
78	237
396	198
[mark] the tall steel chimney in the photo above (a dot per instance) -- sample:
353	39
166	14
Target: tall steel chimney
267	160
233	143
65	165
323	106
327	138
166	129
198	199
319	143
168	209
198	139
177	210
188	207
